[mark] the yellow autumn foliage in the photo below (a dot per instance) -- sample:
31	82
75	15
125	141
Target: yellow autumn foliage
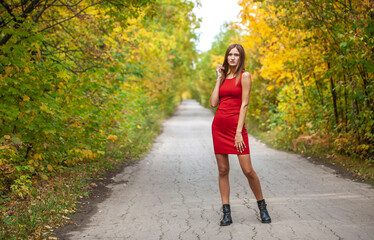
314	69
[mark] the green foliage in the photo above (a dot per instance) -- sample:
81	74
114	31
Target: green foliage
82	82
329	92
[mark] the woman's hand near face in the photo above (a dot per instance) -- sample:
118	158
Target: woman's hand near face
219	71
214	98
239	143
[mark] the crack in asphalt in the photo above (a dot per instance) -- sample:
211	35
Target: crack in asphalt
254	233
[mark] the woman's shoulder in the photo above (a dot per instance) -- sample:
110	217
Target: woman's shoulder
246	75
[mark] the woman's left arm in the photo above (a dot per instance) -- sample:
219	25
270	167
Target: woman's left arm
246	90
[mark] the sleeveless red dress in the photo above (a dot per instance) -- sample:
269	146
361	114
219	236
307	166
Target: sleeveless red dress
226	118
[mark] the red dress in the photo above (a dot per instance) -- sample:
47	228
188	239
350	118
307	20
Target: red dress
226	119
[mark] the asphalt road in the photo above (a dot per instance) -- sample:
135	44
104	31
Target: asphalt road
172	193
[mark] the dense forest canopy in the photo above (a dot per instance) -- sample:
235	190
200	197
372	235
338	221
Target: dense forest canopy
80	76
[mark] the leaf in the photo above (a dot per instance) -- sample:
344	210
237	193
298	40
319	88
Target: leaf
38	156
343	44
49	167
44	107
112	137
270	87
101	152
16	140
44	177
8	70
26	98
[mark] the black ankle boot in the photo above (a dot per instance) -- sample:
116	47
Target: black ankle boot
226	219
265	218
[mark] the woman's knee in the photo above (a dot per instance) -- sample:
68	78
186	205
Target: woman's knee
223	170
250	173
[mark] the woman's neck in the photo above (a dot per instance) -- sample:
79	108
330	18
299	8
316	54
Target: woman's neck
232	70
231	74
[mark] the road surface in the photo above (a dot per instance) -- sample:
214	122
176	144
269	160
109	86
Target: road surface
172	193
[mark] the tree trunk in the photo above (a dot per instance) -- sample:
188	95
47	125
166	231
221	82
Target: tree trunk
333	93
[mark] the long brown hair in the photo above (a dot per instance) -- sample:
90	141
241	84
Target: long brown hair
241	65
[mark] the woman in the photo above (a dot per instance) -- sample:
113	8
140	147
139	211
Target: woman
231	95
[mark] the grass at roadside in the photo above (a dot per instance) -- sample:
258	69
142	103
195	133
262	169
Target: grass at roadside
352	167
34	216
51	201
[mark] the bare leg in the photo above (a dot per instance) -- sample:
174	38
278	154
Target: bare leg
223	177
249	172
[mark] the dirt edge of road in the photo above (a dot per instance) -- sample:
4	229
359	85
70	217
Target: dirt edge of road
87	206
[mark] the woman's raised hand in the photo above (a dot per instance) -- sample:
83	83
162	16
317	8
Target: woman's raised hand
219	71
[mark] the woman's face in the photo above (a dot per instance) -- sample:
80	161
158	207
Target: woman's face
233	57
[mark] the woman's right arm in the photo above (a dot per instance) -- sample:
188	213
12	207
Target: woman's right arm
214	98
